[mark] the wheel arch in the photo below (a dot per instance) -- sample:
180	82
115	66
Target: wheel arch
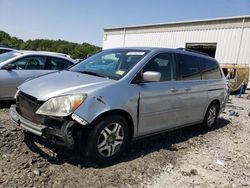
120	112
209	103
217	102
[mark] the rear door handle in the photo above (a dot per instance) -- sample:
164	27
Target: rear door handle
187	89
173	90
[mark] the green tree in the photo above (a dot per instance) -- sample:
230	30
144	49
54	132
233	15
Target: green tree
76	50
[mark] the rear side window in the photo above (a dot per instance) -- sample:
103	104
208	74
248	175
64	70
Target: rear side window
189	67
57	64
210	69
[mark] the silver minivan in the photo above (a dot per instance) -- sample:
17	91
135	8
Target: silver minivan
102	103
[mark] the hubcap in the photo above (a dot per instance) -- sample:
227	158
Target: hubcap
110	139
211	116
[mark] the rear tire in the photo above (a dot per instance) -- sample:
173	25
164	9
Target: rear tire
211	116
107	140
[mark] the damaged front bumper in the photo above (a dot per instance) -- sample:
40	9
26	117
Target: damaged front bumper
61	135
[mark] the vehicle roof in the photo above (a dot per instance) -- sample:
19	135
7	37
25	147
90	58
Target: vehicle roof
173	50
6	48
53	54
40	52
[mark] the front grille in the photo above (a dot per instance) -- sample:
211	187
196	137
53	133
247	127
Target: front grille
27	107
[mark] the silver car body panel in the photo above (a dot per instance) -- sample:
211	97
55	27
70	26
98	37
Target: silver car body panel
153	107
11	79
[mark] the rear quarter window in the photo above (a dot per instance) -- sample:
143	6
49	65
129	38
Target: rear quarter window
210	69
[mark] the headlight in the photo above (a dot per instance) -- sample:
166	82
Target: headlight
61	106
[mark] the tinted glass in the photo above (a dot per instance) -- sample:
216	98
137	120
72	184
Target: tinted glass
110	63
30	63
8	55
57	64
189	67
210	69
4	51
163	63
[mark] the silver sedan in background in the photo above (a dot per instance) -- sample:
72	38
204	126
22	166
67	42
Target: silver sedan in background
19	66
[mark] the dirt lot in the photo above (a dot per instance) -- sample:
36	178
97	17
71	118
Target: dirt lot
190	157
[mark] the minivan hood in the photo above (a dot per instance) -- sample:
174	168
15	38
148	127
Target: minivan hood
62	83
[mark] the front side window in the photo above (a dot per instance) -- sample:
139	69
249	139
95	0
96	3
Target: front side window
110	63
30	63
189	67
163	63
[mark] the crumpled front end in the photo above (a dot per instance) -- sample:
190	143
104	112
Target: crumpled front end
58	130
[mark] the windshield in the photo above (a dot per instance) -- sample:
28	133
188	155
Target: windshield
7	55
113	64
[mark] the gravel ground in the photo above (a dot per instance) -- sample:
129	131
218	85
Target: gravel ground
190	157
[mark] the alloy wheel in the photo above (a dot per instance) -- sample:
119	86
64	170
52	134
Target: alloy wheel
211	115
110	139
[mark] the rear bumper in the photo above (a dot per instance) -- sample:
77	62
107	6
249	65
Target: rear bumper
58	136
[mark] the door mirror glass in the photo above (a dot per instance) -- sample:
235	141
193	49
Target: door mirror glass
9	66
151	76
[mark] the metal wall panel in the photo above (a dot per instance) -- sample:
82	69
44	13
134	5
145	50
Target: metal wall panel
112	41
227	41
244	56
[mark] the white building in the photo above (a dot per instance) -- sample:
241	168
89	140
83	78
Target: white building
226	39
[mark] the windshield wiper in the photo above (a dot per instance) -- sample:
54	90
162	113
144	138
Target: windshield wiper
93	73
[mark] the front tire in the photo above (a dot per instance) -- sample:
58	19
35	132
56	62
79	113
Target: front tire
107	140
211	116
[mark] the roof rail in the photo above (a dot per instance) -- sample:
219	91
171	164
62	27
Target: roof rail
194	51
56	53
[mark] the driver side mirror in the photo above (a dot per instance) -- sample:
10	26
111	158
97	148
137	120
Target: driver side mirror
151	76
148	76
9	67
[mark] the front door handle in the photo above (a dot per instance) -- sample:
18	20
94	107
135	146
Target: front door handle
187	89
173	90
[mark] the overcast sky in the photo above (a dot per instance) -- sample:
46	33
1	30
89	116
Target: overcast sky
84	20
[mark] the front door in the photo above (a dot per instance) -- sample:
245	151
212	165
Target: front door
161	103
26	68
